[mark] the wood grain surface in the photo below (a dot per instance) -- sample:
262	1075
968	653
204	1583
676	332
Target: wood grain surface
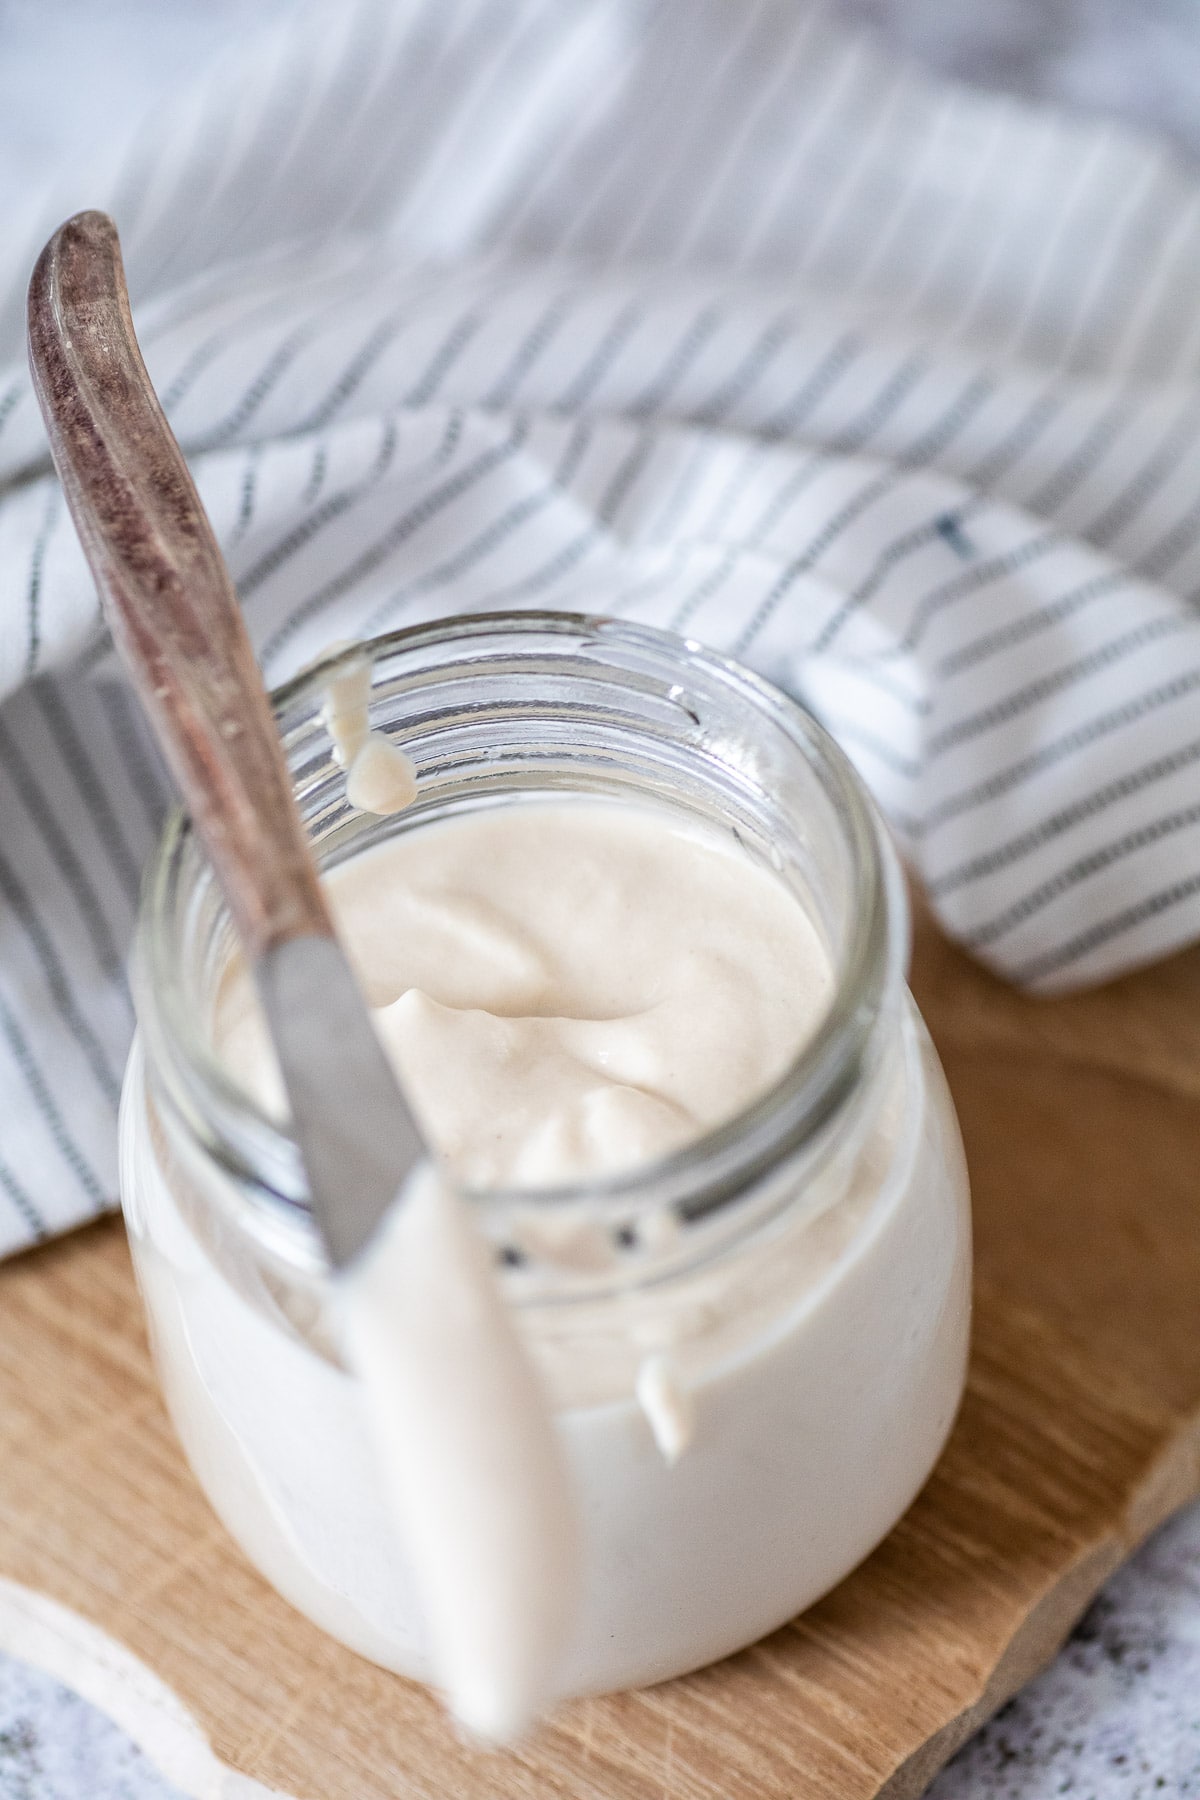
1079	1433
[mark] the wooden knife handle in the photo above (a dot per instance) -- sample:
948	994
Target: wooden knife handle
167	595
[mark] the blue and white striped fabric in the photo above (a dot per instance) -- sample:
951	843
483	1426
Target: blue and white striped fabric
706	314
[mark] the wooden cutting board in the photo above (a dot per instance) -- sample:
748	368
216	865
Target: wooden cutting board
1079	1433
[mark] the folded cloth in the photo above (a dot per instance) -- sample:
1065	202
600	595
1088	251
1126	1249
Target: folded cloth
711	316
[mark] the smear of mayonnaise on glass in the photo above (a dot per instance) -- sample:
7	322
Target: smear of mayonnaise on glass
468	1448
668	1406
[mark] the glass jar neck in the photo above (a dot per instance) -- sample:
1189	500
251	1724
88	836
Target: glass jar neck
500	709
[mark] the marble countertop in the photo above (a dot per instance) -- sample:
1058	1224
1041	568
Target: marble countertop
1117	1716
54	1746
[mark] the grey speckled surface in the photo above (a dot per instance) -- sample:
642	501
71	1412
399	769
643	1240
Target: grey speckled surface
54	1746
1117	1716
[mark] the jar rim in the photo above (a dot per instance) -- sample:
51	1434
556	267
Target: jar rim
702	1174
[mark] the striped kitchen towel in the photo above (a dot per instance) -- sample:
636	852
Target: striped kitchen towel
708	314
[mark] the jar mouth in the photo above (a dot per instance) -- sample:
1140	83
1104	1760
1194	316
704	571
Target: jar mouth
735	736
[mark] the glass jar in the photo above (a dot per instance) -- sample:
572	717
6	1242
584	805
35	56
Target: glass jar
801	1276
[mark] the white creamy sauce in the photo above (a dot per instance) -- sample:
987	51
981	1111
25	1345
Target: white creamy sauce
823	1358
566	990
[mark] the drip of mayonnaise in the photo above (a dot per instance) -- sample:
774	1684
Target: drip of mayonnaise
380	777
471	1458
668	1407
